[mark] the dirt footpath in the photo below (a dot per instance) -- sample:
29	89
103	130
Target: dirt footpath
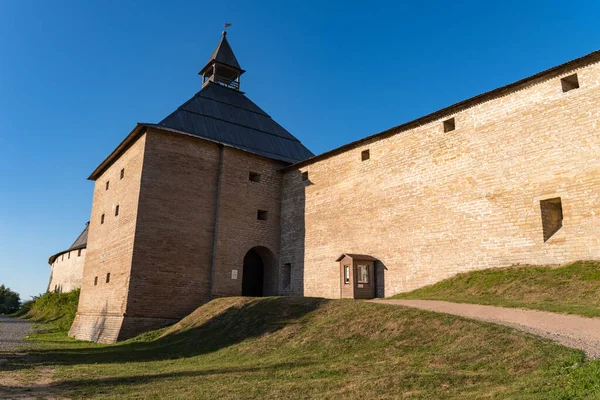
33	385
569	330
13	331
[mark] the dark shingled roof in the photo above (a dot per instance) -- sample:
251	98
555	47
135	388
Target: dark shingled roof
79	243
227	116
224	54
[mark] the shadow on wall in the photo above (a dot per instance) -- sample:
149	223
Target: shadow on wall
245	318
99	325
294	234
380	269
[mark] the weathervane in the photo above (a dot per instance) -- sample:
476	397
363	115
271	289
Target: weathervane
227	25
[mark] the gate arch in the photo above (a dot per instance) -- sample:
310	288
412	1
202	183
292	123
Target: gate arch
259	277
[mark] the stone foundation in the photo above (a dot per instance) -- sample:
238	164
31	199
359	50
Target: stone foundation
112	328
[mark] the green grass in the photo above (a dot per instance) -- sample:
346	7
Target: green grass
301	348
573	288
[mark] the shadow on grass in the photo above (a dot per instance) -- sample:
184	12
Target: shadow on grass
102	385
234	325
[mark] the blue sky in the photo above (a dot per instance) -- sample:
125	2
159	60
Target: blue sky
76	76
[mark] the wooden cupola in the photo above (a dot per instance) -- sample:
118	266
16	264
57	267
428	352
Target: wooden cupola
222	67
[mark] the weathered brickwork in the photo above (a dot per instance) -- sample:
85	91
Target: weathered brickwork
102	305
239	229
173	245
163	248
66	271
430	204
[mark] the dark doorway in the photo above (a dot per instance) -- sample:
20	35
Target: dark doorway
253	274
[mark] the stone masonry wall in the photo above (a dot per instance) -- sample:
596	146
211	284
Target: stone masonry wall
430	204
173	248
170	276
239	229
102	304
66	271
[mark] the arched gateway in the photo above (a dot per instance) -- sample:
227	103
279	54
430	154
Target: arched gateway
259	276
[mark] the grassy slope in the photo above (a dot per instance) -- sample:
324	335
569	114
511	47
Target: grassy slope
240	348
573	288
57	308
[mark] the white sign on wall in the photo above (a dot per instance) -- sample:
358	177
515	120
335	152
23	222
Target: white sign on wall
234	274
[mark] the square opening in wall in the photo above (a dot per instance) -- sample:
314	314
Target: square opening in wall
262	215
305	176
569	83
365	155
449	125
552	216
286	277
254	177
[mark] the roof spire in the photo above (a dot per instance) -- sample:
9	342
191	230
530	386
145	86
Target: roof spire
227	25
222	67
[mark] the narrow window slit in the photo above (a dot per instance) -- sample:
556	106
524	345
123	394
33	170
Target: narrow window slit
254	176
552	217
365	155
569	83
262	215
449	125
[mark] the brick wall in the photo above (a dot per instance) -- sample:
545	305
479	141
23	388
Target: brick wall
66	271
430	204
173	246
102	305
160	255
239	229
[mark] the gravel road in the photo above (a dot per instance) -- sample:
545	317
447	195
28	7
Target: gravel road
12	331
569	330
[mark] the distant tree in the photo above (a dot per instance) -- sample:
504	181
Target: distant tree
9	300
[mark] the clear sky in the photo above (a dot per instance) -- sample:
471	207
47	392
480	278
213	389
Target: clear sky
75	77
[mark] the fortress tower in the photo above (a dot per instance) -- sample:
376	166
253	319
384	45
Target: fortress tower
186	210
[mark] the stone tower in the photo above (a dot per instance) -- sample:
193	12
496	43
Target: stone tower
186	210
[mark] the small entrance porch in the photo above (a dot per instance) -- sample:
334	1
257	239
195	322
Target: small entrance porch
357	276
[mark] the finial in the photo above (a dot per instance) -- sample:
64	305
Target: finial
227	25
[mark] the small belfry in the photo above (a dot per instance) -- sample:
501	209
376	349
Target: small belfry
222	67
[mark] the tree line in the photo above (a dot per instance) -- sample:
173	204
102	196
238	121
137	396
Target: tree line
10	301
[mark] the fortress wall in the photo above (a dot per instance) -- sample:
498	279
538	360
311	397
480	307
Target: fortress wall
239	229
66	271
102	304
170	276
430	204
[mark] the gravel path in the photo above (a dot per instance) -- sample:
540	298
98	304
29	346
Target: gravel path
12	331
569	330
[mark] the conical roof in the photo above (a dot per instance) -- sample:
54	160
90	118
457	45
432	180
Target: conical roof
224	54
79	243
